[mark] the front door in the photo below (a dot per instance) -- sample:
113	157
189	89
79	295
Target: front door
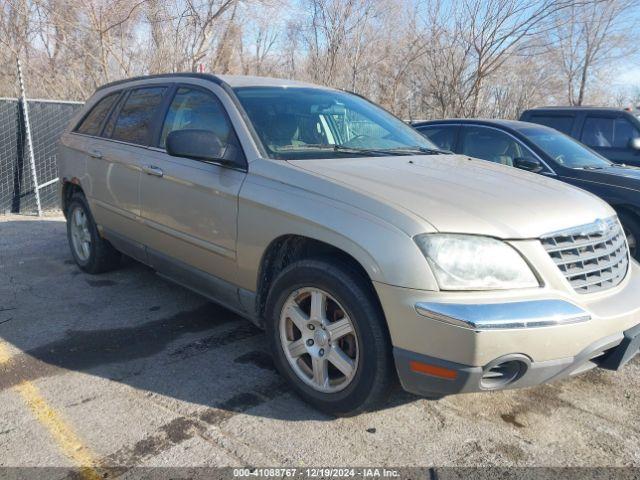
190	207
610	135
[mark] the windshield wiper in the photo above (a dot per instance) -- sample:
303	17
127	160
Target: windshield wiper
368	151
336	148
424	150
417	150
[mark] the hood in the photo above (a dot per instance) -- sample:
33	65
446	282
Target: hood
456	194
615	175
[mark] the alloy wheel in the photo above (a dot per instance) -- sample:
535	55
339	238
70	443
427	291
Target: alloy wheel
319	340
80	234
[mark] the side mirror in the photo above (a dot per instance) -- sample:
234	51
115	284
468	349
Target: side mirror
528	164
634	143
197	144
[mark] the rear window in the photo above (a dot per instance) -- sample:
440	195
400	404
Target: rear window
137	114
91	124
562	123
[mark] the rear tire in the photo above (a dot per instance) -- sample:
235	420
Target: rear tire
350	337
92	253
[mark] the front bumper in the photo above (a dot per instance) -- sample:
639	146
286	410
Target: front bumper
546	333
432	377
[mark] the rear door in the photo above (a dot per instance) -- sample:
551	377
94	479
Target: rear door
189	206
118	162
610	134
84	146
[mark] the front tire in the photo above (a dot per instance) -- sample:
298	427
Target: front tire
329	337
92	253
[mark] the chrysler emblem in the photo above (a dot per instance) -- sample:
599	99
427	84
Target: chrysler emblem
601	226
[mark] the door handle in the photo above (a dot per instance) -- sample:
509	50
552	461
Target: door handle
152	170
95	154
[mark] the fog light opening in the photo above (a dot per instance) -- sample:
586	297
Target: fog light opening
503	371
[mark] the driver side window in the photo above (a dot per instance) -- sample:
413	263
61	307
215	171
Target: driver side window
195	109
492	145
608	132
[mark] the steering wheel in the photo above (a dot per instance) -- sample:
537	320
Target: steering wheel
560	159
357	137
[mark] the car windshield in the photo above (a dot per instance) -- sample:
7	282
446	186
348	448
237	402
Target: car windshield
565	150
296	123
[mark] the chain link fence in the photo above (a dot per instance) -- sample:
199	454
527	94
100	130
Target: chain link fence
29	133
11	143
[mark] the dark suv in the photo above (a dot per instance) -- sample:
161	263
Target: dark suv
612	132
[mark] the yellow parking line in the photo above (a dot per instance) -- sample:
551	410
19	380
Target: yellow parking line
5	355
67	440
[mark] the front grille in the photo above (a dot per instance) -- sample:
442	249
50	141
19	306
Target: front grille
592	257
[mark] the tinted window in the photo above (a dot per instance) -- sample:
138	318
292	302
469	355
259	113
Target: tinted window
598	132
136	116
493	145
623	132
608	132
443	137
562	123
111	122
93	121
563	149
195	109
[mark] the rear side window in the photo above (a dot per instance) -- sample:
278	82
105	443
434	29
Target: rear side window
91	124
607	132
195	109
137	114
441	136
562	123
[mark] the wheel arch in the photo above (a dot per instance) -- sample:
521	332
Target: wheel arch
68	190
289	248
627	209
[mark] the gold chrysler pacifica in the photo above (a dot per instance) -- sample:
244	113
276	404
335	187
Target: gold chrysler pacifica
367	254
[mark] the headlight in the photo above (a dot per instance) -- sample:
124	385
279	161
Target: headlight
468	262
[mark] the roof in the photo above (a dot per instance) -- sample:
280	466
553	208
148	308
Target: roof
512	124
253	81
576	107
232	80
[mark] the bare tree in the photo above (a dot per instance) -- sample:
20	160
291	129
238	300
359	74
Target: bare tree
474	39
333	25
418	58
589	35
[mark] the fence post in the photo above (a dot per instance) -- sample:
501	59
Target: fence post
27	129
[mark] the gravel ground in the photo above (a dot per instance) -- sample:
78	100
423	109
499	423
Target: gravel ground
128	370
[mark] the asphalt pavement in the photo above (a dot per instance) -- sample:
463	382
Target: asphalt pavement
125	370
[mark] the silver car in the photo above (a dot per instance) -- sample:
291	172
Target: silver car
367	254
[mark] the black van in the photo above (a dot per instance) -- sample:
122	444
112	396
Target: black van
612	132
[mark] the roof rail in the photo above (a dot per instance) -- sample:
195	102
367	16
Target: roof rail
203	76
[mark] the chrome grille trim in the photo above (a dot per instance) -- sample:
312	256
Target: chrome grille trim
593	257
